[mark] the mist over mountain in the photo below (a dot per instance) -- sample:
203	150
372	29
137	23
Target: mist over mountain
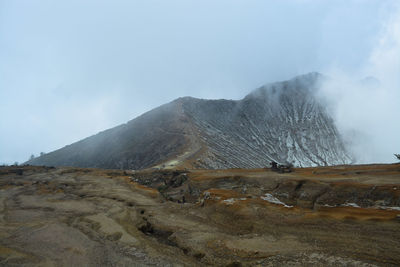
282	121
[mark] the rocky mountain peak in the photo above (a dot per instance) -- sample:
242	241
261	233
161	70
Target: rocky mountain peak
282	122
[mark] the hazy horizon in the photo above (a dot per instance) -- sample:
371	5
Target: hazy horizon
70	69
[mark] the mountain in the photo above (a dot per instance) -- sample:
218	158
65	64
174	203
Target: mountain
282	122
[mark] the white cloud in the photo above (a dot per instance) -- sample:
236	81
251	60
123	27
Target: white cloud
367	112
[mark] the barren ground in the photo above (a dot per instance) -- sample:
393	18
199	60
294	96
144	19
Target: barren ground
330	216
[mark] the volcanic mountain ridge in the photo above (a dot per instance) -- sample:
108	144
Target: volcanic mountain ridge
283	122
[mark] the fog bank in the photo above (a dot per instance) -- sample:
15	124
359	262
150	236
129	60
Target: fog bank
367	110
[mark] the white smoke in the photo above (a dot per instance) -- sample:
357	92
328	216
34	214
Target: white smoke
367	111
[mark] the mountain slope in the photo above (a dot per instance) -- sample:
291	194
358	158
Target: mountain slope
282	121
150	138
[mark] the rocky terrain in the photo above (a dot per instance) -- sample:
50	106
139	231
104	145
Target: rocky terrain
322	216
282	122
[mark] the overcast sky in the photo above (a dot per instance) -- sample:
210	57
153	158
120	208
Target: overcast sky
69	69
